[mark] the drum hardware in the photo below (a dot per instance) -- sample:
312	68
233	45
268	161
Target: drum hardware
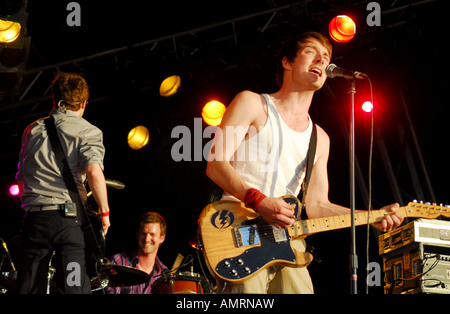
51	272
7	278
175	281
7	281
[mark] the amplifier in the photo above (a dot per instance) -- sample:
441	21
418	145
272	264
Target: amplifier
416	258
429	231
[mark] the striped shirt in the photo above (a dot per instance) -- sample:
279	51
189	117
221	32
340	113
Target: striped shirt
131	259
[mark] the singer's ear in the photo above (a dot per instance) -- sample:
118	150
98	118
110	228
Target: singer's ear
286	64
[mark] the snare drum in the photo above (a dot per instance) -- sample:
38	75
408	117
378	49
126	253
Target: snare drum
180	283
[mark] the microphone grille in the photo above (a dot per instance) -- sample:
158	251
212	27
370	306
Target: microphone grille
329	70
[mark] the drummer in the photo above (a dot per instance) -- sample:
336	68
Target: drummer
150	235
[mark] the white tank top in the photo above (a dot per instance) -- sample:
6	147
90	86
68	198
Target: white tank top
273	160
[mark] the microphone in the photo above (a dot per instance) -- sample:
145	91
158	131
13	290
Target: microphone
333	71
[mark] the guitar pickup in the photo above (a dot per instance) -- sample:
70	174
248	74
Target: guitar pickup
246	236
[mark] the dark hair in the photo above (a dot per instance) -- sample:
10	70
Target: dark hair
71	89
290	48
153	217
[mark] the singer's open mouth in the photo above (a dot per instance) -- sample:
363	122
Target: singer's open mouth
316	71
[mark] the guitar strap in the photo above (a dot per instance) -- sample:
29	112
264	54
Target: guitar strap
309	165
61	160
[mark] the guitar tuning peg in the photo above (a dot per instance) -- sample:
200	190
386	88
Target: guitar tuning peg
427	203
414	201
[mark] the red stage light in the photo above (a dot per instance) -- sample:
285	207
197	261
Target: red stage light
342	28
14	190
367	106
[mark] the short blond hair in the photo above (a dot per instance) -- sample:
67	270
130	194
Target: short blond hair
153	217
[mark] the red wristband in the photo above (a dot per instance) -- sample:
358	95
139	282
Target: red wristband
105	214
253	198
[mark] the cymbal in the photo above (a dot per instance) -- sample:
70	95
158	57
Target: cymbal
112	275
114	184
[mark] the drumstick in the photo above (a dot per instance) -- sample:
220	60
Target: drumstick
177	262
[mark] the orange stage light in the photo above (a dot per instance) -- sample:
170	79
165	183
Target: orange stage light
9	31
170	86
212	112
342	29
138	137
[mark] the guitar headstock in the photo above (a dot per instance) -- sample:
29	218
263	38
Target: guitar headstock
427	210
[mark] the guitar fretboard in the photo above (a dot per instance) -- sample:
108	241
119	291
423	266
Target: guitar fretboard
309	226
413	209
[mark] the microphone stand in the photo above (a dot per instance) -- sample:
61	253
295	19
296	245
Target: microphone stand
353	256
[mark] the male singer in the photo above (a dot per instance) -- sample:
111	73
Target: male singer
279	124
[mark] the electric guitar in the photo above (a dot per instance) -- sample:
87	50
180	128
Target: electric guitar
238	243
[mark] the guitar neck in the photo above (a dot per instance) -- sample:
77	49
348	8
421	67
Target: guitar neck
413	209
310	226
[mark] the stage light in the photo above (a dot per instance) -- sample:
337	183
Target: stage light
14	190
367	106
342	28
138	137
212	112
170	86
9	31
14	45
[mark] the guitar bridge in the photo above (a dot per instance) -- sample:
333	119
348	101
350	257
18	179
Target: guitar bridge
246	236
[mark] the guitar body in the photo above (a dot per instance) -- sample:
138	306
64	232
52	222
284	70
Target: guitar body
238	243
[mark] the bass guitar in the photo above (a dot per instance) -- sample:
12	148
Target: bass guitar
238	243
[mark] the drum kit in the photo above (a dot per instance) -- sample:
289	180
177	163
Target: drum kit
119	276
169	283
172	281
112	275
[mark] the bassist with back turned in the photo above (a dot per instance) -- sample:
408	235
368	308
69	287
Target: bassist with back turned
52	220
